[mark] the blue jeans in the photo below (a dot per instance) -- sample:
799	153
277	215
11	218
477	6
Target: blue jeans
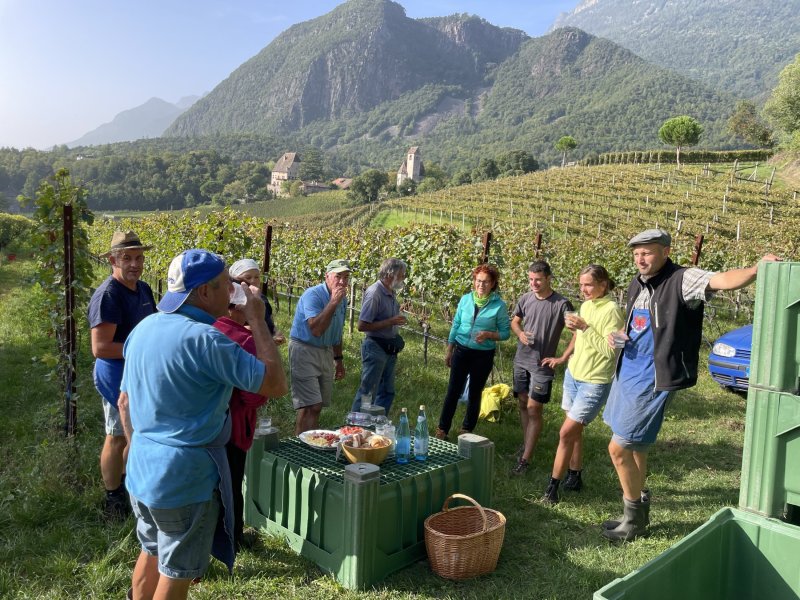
377	376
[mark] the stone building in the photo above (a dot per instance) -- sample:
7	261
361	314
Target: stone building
412	167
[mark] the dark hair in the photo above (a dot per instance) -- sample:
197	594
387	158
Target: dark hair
490	270
599	274
540	266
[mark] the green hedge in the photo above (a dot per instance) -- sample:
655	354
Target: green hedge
14	228
687	156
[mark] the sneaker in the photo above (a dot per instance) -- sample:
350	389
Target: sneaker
551	494
440	434
520	468
573	481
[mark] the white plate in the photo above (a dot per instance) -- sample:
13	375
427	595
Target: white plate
306	437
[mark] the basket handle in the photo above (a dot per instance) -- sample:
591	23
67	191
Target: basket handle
474	503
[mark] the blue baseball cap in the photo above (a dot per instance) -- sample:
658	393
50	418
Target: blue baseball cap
187	271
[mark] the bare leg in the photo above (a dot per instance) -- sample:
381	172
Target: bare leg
628	470
522	401
307	418
641	461
570	436
145	577
172	589
534	411
112	460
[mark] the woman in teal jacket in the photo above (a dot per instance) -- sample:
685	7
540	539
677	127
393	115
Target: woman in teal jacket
480	322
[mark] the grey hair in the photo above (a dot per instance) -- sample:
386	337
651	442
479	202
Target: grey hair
391	267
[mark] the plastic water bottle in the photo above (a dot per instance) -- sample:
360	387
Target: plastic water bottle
403	447
421	436
366	402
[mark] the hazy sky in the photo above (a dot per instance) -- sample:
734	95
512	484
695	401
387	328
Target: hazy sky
68	66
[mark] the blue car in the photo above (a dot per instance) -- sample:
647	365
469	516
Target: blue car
729	361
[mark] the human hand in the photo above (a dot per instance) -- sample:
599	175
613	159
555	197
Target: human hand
553	362
338	292
254	307
576	323
339	372
482	336
398	320
279	338
448	357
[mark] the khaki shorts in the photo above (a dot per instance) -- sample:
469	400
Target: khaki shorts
311	369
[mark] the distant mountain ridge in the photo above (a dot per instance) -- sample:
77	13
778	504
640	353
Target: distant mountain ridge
737	46
148	120
365	82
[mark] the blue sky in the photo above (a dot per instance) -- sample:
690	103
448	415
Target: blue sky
67	67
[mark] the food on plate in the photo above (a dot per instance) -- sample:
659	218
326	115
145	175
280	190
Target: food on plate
321	439
350	430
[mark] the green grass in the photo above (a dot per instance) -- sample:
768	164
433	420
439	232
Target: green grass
54	543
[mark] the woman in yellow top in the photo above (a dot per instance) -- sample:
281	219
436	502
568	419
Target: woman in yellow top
587	379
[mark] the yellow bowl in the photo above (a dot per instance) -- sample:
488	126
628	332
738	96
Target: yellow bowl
365	454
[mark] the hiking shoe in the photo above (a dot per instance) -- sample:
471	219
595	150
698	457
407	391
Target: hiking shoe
117	507
520	468
573	481
440	434
551	494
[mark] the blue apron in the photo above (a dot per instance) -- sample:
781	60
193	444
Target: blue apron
635	410
222	547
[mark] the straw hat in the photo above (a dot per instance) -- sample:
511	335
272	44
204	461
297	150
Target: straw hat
125	240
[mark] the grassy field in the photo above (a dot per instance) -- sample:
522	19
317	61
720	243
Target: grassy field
55	544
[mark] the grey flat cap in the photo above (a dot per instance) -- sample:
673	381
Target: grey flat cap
651	236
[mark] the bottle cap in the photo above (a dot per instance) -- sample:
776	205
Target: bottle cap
422	407
404	410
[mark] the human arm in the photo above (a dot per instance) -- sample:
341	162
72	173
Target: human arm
383	324
516	327
274	382
103	344
125	416
737	278
553	361
448	355
319	323
597	335
338	359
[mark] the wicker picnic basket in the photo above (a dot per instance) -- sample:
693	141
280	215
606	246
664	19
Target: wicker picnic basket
464	542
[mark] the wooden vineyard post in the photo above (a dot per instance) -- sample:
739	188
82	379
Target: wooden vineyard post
267	251
69	336
538	244
698	248
352	306
425	336
487	241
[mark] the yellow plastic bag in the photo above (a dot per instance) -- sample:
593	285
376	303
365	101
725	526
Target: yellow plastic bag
490	401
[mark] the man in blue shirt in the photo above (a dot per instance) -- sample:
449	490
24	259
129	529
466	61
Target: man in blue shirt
315	344
179	375
118	304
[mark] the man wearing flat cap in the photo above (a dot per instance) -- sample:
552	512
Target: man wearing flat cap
179	375
118	304
315	344
662	335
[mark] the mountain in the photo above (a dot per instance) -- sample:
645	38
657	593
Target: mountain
346	62
148	120
738	46
365	82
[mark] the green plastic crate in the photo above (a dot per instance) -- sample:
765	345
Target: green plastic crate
771	459
359	522
775	359
735	555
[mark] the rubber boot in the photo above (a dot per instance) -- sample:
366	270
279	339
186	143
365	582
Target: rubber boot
633	523
614	523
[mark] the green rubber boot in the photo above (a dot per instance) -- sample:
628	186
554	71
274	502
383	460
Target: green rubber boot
633	524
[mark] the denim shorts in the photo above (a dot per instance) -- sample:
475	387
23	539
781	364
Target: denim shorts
582	400
180	537
113	420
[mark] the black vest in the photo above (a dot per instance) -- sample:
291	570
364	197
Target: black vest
677	328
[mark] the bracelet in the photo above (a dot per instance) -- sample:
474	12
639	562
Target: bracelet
338	357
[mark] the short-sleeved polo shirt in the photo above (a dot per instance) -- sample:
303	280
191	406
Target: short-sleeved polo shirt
379	304
179	375
312	302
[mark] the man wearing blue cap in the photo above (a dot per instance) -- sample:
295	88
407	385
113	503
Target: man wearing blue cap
179	375
660	355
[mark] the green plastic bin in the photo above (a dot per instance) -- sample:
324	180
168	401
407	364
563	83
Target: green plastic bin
771	459
735	555
359	522
775	360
